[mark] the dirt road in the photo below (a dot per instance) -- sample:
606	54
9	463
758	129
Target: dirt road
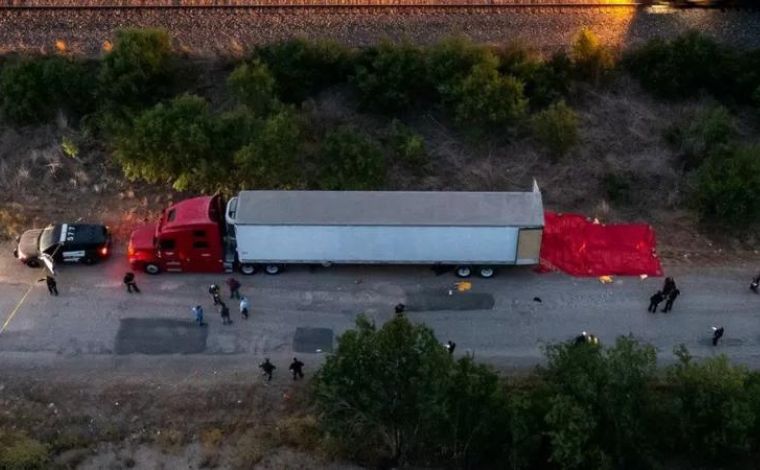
95	322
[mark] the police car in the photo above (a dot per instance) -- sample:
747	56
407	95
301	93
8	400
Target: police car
67	243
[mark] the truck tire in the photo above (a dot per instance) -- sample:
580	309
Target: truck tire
247	269
272	269
33	263
486	272
463	271
152	268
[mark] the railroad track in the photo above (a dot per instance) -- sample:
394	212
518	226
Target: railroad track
328	5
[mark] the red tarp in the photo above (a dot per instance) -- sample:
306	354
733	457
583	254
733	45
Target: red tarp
573	244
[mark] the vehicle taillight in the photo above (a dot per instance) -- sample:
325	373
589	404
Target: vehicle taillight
130	250
104	251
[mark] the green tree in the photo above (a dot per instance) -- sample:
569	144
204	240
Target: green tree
302	67
556	127
137	72
591	60
173	142
599	407
702	135
408	146
485	99
390	77
379	388
728	187
254	86
451	60
711	407
270	160
19	452
32	90
351	160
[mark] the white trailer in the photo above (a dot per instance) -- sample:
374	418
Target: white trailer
472	231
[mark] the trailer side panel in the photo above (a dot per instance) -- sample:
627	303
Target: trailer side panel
376	244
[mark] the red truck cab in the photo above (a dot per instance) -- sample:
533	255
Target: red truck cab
189	236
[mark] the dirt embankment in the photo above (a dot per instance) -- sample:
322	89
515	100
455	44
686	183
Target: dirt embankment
233	32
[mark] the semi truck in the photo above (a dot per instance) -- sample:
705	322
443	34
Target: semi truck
471	232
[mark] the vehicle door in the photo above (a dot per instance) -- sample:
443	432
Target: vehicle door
203	255
169	254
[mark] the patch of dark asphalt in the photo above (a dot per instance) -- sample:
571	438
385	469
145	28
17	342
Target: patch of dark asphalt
160	336
313	340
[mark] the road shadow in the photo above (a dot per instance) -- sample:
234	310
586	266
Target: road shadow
160	336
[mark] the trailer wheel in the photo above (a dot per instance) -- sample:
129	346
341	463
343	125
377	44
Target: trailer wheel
247	269
486	272
272	269
463	271
152	268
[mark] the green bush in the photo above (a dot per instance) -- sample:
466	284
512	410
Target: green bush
254	86
690	64
351	160
591	60
711	408
728	187
138	72
302	67
173	142
451	60
390	77
270	160
19	452
705	133
408	146
395	394
599	404
33	90
485	99
618	187
556	128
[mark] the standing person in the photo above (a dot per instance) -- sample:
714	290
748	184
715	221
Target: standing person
245	306
296	367
224	311
52	286
671	298
268	368
668	286
655	300
234	286
717	334
213	291
198	311
129	281
450	346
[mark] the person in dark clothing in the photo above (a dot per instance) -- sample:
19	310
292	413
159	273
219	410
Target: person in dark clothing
450	346
268	368
224	311
655	300
668	286
717	334
51	284
234	286
129	281
296	367
671	298
213	291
